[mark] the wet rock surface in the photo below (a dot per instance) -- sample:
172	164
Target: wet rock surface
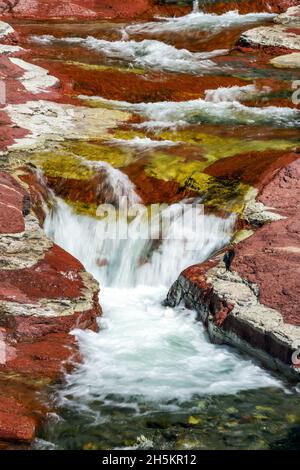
44	294
253	305
273	36
290	17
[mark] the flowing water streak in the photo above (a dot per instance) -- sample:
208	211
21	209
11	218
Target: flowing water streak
142	143
146	357
198	21
146	54
114	183
219	106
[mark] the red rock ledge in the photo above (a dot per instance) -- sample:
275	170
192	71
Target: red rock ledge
255	305
44	294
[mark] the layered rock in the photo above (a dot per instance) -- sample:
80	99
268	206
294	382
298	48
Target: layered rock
84	10
45	293
253	305
291	17
89	9
283	35
287	61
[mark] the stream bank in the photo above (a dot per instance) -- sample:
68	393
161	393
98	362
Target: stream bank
219	154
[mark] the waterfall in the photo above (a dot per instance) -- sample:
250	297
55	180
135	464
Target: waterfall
146	354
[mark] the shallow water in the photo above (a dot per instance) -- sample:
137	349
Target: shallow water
151	378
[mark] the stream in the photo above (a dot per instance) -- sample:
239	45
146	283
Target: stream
151	378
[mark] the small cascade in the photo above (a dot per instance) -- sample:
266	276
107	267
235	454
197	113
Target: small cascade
113	184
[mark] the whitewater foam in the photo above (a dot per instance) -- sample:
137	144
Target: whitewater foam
146	54
143	143
220	106
133	261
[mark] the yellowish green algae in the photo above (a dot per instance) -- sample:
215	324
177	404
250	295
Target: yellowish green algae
241	235
224	194
61	164
68	161
83	208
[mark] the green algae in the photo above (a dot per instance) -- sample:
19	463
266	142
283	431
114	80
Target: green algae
241	235
128	134
71	160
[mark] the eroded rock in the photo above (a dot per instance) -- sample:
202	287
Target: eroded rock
273	36
287	61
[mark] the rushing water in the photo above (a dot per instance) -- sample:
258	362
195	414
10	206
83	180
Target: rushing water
151	378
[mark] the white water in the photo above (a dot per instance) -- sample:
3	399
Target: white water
143	143
219	106
198	21
146	354
146	54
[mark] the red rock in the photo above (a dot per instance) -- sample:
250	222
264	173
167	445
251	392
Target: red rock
38	346
283	192
15	424
34	328
49	357
155	191
55	277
